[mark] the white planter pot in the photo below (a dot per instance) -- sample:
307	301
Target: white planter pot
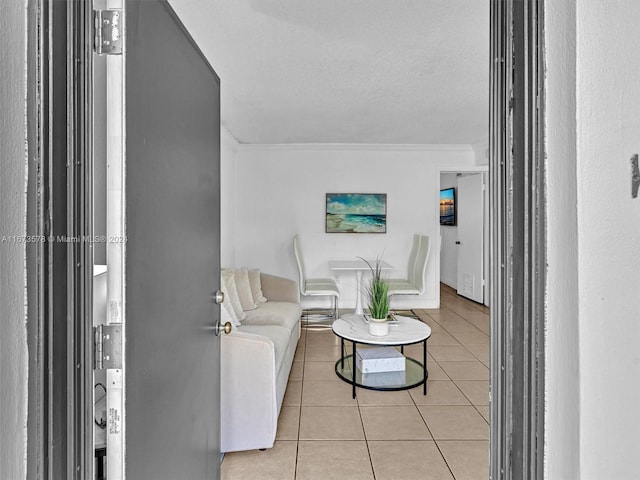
378	328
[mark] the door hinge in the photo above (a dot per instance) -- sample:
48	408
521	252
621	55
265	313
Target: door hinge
108	346
108	32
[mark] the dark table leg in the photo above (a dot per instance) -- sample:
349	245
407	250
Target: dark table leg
424	366
353	379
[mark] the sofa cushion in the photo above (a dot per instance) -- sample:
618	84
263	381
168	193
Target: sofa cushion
227	314
280	336
256	286
244	289
285	314
230	292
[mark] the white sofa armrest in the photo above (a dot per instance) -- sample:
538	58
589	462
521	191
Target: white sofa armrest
247	392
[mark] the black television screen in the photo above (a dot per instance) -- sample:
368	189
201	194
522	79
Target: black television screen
448	206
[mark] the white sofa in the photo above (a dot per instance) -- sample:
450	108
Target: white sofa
256	359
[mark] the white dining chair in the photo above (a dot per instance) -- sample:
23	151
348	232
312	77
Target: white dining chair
315	286
414	284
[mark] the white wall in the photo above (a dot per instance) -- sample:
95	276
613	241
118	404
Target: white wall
608	115
13	155
449	236
228	146
280	191
562	381
592	356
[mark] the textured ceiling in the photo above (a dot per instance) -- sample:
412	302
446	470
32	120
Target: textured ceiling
347	71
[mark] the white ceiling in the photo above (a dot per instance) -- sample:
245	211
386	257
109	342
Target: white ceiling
347	71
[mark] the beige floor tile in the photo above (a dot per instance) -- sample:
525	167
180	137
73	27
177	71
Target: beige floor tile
475	317
288	423
299	355
480	321
322	353
277	463
457	326
333	460
442	339
450	353
320	371
322	338
475	390
435	371
463	308
297	368
444	314
416	351
293	393
439	392
334	392
455	422
367	397
469	460
475	370
408	460
481	352
393	423
330	423
433	325
475	337
484	411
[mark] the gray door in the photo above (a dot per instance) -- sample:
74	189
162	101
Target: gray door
172	419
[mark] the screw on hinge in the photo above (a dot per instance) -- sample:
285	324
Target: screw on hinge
635	176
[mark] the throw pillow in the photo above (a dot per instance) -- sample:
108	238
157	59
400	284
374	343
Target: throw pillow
244	289
256	286
231	293
227	314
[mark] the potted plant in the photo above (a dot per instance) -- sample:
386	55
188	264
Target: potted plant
377	292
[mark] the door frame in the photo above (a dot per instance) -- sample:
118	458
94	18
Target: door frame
483	170
518	253
59	330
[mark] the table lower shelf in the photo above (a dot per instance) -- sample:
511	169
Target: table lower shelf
413	376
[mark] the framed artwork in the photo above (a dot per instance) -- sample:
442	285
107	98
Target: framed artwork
448	206
356	213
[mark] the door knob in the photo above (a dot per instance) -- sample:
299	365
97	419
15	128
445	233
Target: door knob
226	328
218	297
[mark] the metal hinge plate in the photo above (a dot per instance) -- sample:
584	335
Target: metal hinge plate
108	32
108	346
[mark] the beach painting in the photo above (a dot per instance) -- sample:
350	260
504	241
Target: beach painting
356	213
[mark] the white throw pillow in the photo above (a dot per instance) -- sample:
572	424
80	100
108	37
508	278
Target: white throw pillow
231	293
244	289
256	286
227	314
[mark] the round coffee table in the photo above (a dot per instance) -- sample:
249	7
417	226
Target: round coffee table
403	331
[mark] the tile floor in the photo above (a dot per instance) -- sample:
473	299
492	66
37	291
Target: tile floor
325	434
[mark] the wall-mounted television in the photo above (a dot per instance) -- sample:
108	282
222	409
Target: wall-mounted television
448	206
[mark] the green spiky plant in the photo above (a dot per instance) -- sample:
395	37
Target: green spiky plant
377	291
